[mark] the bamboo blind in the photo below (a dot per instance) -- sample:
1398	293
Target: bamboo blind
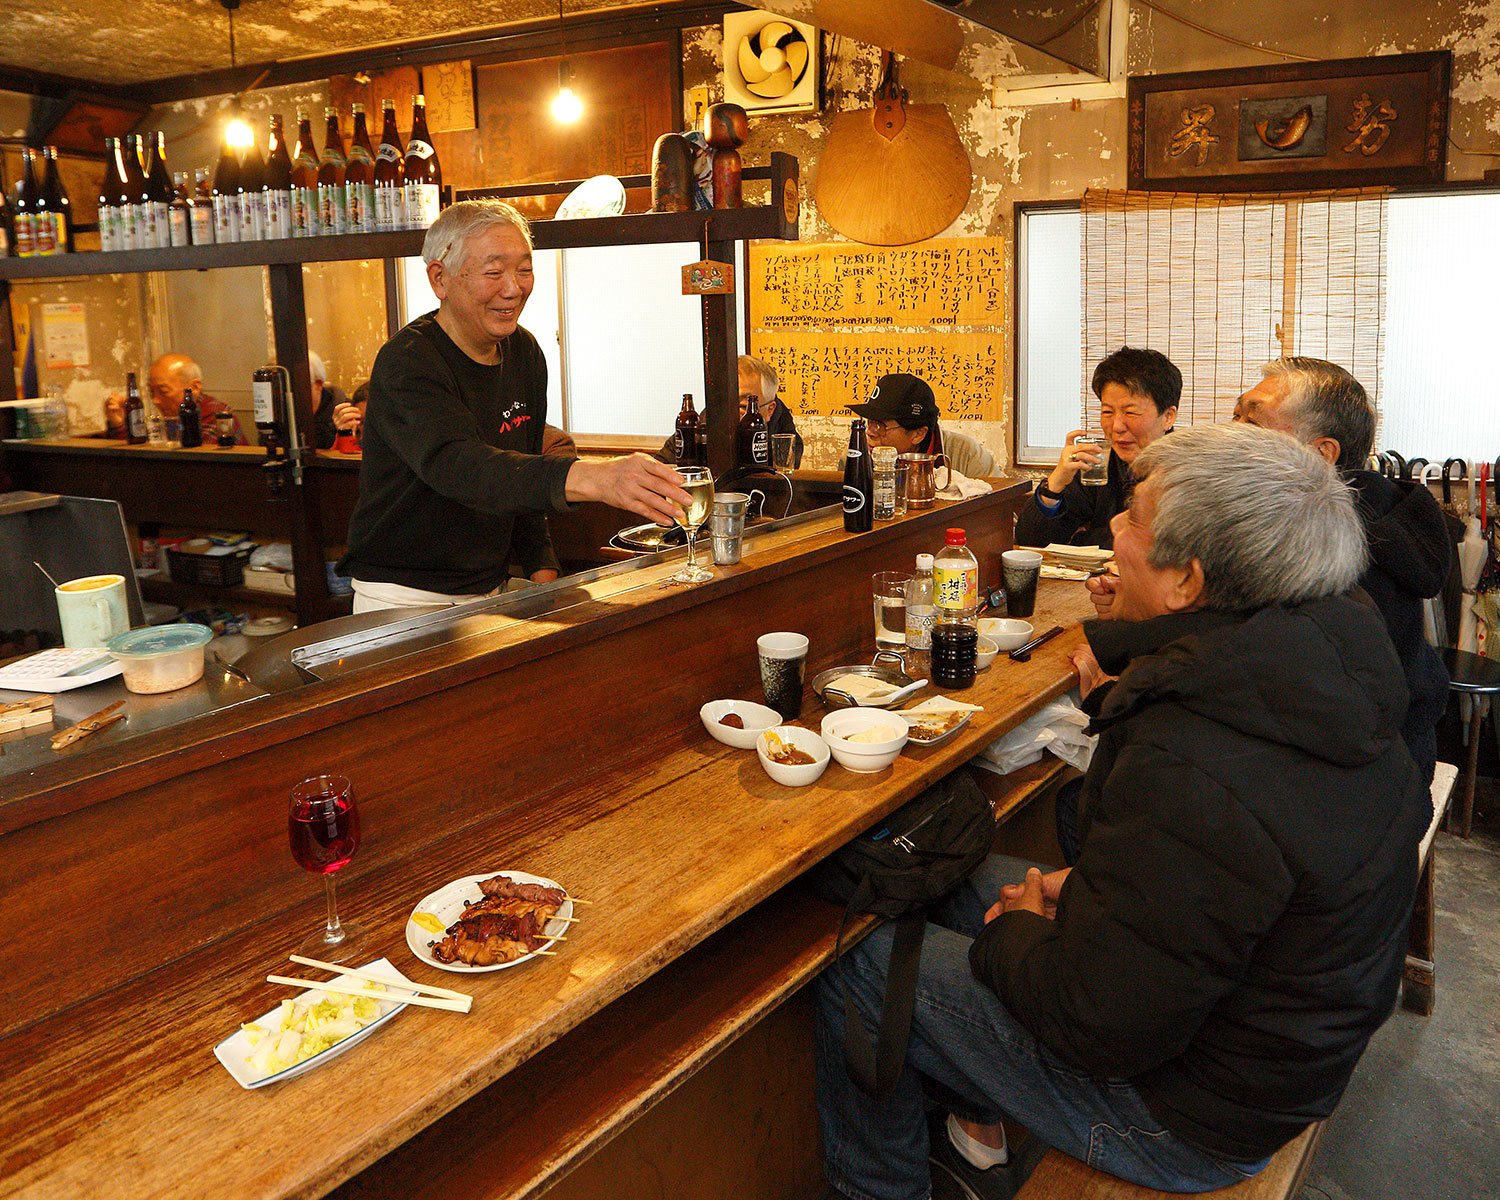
1221	283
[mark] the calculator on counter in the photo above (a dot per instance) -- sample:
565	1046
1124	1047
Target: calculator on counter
59	670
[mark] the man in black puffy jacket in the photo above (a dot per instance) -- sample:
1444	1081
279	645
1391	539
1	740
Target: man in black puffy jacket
1199	987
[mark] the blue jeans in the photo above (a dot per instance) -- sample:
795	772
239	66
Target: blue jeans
972	1054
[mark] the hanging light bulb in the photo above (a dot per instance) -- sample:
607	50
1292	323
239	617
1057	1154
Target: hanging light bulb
566	106
238	134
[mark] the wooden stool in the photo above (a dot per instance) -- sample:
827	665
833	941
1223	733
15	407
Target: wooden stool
1418	977
1478	678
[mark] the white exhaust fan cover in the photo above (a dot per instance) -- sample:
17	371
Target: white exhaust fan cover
770	63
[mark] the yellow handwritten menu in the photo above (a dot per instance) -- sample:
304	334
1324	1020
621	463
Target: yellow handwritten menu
833	318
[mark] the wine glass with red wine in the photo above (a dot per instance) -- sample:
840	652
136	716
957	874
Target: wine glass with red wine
323	825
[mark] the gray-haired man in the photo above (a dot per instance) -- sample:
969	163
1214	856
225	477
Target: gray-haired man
454	478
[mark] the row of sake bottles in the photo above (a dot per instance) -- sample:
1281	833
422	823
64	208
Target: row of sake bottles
296	193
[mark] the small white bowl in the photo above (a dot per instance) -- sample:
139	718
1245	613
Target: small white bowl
757	718
863	758
984	652
1006	632
799	774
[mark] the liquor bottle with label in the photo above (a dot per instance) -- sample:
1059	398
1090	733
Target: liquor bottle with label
109	198
159	188
43	229
202	203
685	439
251	187
755	439
278	182
135	413
130	225
859	480
138	189
359	178
226	196
28	197
333	210
305	221
190	419
424	175
180	216
57	208
390	174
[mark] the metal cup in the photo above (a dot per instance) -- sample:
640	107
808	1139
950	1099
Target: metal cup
921	478
728	534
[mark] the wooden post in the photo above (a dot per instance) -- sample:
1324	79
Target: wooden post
720	364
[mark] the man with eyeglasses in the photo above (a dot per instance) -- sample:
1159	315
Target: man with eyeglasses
902	412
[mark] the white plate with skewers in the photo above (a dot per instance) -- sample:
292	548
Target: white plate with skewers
436	914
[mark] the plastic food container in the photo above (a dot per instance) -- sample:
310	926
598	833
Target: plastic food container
160	658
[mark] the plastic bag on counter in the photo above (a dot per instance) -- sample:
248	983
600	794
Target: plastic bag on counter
274	556
1058	727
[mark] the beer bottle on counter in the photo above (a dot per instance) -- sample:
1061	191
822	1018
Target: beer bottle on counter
333	211
754	438
180	216
110	214
142	214
251	189
57	209
278	182
685	439
202	204
359	177
424	176
135	413
28	195
859	481
190	419
305	221
159	189
226	196
390	174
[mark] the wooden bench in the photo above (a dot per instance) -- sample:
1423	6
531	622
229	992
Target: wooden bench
718	1020
1418	978
1061	1177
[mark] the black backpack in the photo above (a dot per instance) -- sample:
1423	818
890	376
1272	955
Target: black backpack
896	869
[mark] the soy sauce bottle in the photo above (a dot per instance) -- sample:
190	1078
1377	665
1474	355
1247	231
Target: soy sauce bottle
190	420
859	481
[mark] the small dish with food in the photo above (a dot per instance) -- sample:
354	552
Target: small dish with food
984	652
936	720
737	723
489	922
864	740
792	756
1006	632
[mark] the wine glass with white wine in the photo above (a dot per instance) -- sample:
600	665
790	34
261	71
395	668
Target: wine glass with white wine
699	484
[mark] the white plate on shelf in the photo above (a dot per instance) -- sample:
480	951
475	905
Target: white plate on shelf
234	1051
447	905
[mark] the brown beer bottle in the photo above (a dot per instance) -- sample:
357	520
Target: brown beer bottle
278	182
141	218
359	178
333	212
28	195
685	439
754	438
424	175
305	222
390	173
57	209
135	413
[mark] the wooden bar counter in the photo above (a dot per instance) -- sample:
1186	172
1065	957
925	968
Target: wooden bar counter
148	886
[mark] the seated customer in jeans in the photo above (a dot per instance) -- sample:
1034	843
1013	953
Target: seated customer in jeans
1199	987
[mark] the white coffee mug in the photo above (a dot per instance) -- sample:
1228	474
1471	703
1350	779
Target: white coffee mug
93	609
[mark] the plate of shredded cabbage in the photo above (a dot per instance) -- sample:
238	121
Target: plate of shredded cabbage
306	1031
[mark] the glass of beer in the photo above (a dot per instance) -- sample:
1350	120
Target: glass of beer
699	484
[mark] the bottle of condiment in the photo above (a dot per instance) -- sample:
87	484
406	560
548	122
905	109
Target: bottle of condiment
885	482
226	197
251	187
190	419
135	413
305	221
955	634
28	196
755	439
109	198
141	211
859	480
158	188
333	196
278	182
685	439
390	173
359	177
424	175
921	613
180	217
202	214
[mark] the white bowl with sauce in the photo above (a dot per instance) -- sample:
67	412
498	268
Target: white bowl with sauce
757	719
848	732
794	774
985	650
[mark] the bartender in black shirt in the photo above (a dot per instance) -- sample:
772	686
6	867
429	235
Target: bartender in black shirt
454	483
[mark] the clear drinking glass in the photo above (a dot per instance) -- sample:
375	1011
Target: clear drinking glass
888	589
323	827
698	484
1098	474
782	445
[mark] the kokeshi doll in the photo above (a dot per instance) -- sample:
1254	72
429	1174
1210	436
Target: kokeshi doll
672	174
725	127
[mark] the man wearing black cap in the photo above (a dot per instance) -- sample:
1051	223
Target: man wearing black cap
902	412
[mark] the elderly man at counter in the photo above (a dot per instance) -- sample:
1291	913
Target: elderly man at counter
1138	392
902	412
169	379
1199	987
453	480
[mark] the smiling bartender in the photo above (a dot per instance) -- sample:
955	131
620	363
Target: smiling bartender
453	480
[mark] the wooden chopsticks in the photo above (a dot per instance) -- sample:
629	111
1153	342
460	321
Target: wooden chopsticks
436	997
102	719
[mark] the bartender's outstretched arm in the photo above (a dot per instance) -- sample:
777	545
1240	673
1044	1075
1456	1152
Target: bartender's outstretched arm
636	483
